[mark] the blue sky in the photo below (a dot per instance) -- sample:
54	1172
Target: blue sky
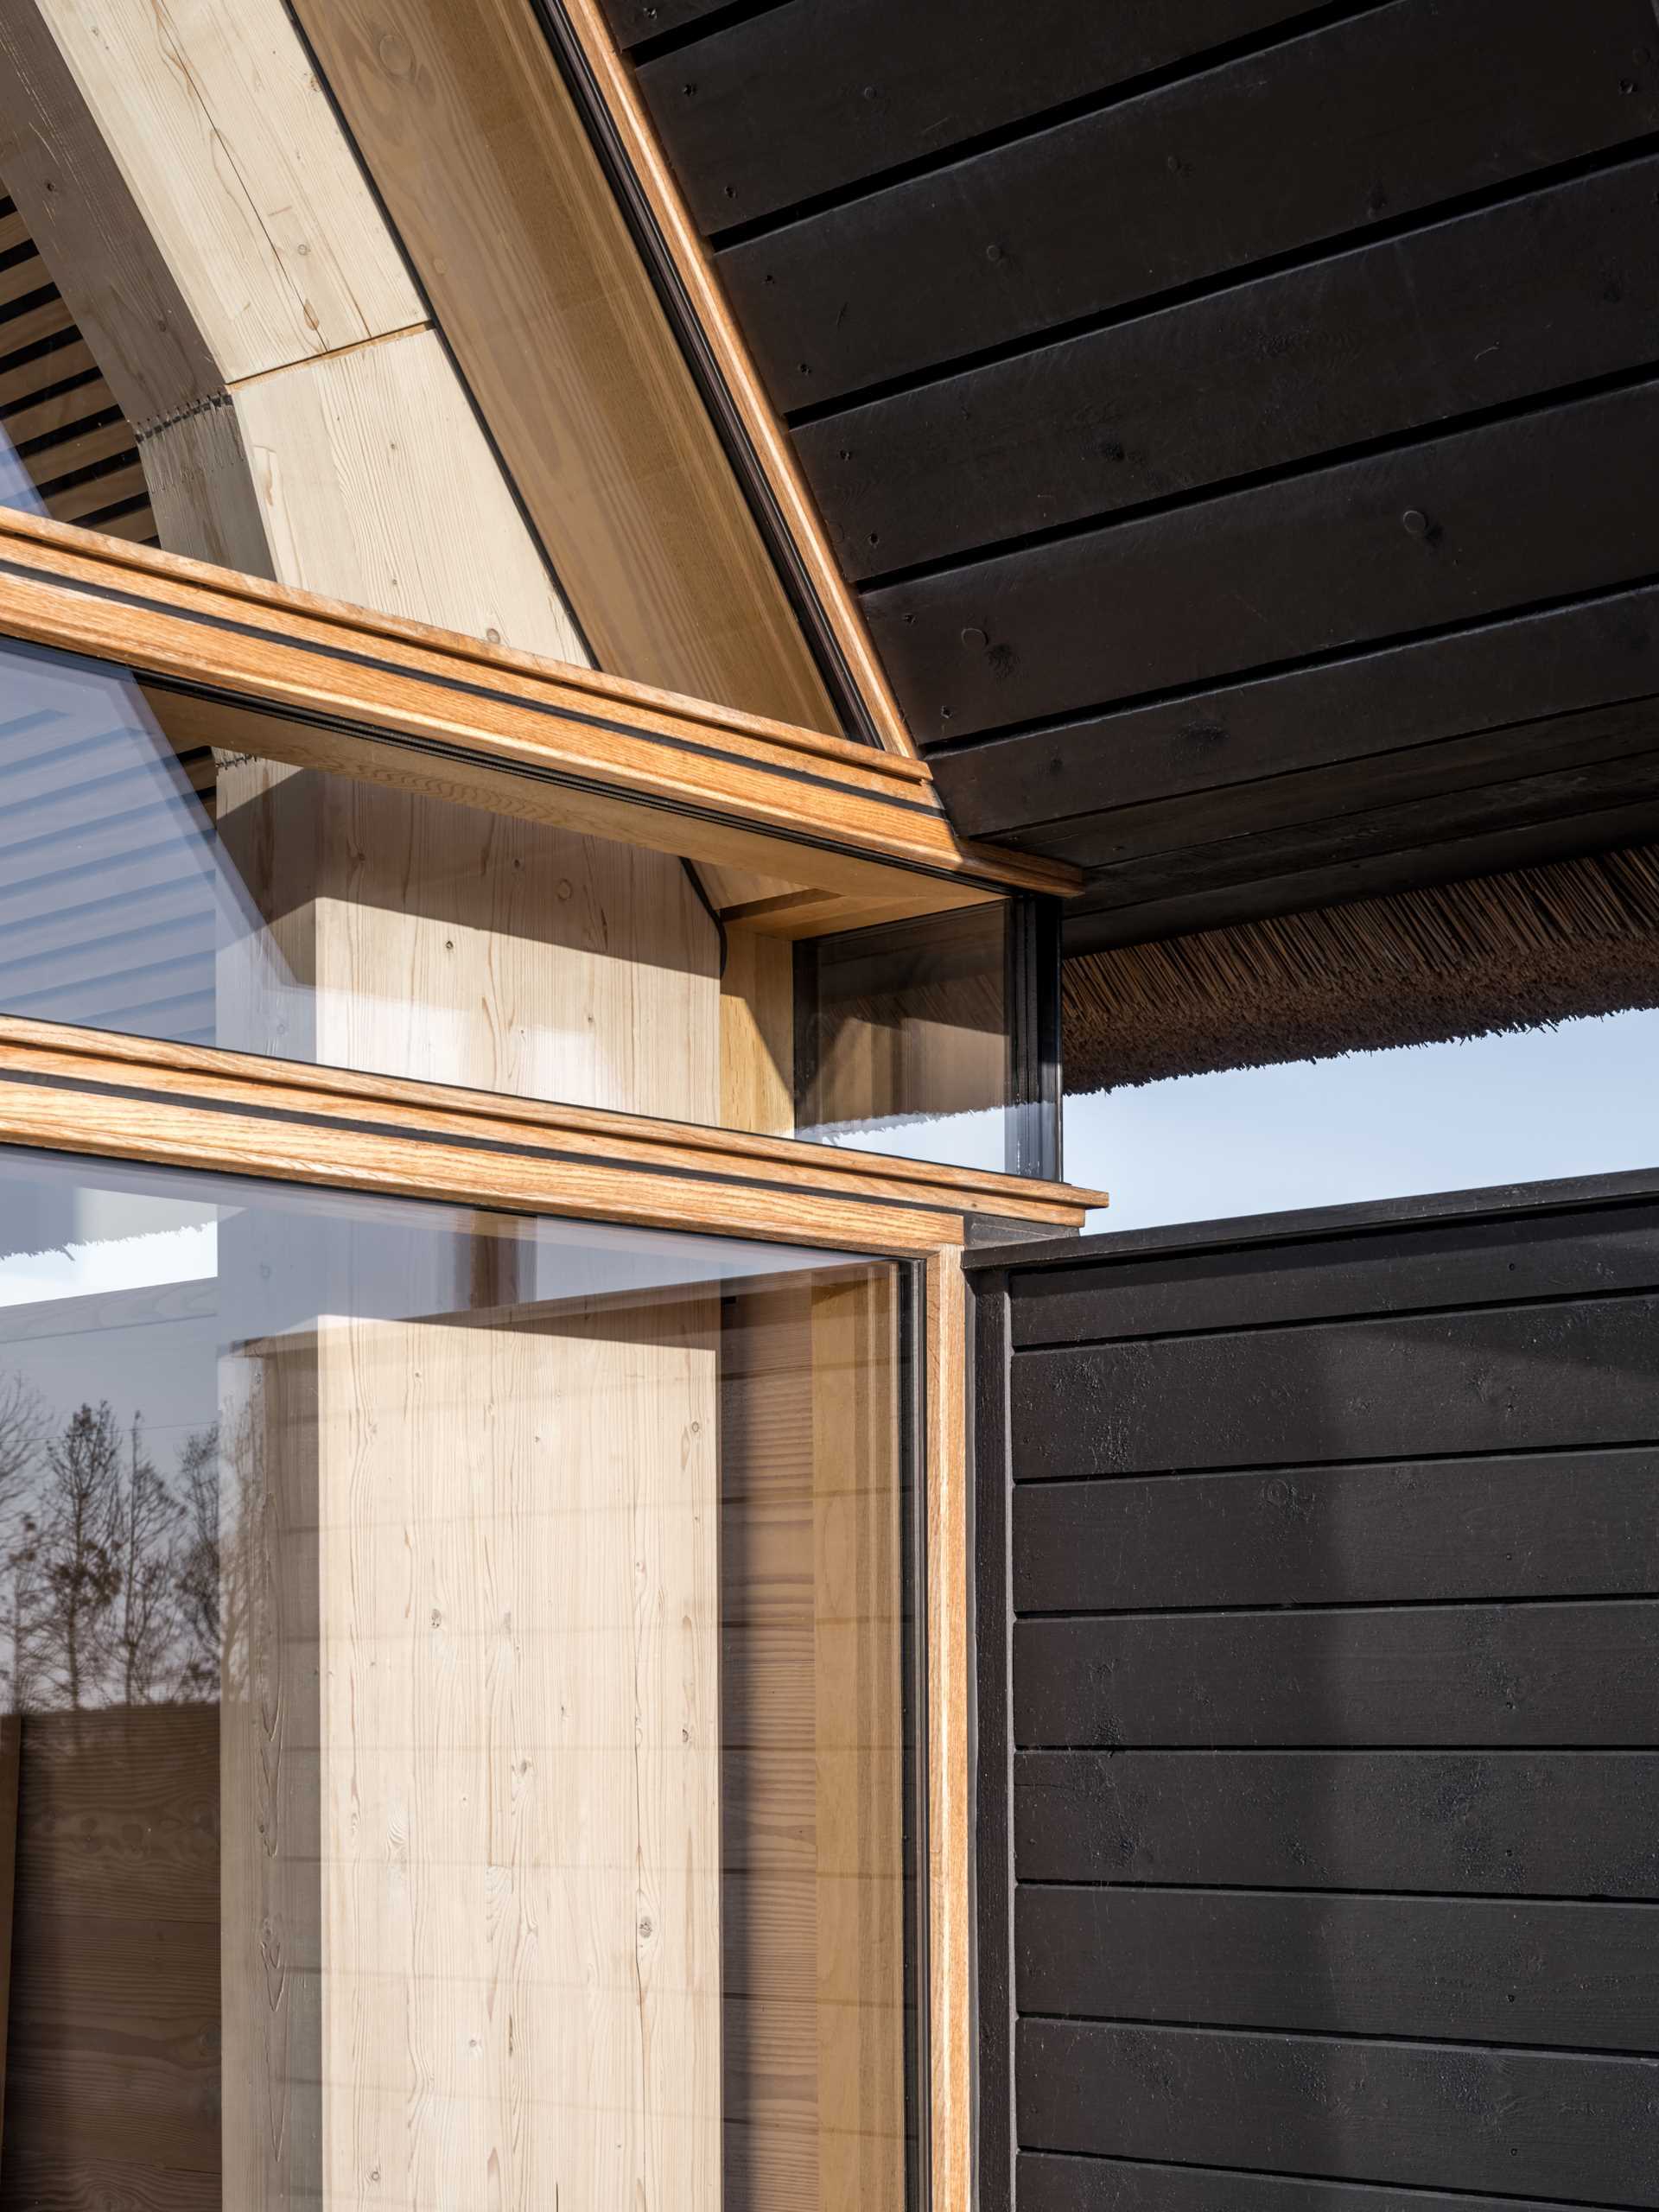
1581	1099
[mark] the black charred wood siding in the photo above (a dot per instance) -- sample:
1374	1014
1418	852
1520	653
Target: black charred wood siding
1318	1710
1190	384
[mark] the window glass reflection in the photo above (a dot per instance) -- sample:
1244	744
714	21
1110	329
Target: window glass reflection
459	1745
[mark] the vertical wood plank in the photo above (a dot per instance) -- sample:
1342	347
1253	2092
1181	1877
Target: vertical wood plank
757	1035
950	1667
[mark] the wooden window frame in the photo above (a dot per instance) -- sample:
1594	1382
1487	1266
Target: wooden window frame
624	762
856	834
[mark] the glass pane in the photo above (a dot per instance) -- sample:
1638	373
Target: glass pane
159	877
902	1039
1576	1098
459	1747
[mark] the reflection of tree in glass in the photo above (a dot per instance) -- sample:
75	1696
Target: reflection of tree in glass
114	1587
23	1423
146	1633
74	1545
197	1573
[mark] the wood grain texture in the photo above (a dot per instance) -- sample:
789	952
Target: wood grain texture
1460	1968
804	98
1500	674
114	2010
732	358
497	196
757	1035
82	212
270	1884
226	241
557	1135
1334	1839
1546	290
1530	1525
520	1758
931	271
1423	2115
846	806
1473	1823
1052	2183
445	944
1386	1266
949	1703
816	1973
1332	560
354	461
248	188
1569	1374
1435	1677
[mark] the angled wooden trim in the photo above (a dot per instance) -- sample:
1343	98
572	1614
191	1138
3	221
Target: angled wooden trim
489	1149
612	759
581	29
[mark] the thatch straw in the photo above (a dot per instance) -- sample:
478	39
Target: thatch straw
1500	952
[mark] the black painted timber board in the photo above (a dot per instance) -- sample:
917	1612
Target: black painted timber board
1464	1969
1523	1525
1536	507
1491	780
1571	1373
1556	288
1390	1269
1316	139
1429	855
821	94
1487	1823
1049	2182
634	22
1402	698
1432	1677
1432	2115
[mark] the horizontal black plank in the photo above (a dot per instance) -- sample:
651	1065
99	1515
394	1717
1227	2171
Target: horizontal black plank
1476	1823
1553	288
819	94
1397	697
1382	1269
1050	2183
1473	523
1364	875
1458	1969
1570	1524
1438	1677
633	21
1436	2117
1575	1374
1492	780
1189	182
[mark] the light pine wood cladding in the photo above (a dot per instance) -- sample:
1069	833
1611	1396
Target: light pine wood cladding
487	170
812	1783
191	188
217	122
757	1035
747	793
480	1786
